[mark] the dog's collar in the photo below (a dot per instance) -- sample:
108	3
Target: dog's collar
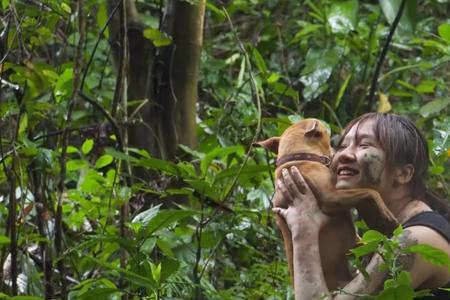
303	156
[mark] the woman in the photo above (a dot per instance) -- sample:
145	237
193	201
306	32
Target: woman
387	153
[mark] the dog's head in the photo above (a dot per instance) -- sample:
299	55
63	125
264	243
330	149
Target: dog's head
307	136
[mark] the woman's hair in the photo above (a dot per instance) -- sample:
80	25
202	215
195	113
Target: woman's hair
403	144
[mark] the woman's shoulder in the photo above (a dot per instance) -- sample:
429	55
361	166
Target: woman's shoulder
431	220
432	229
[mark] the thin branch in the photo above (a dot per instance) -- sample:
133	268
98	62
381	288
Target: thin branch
100	36
383	53
258	104
64	144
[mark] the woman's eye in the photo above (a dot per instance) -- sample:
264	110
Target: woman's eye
364	145
341	147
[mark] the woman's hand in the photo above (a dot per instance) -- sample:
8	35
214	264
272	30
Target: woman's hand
304	212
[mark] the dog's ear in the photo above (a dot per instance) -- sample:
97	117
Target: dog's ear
270	144
314	131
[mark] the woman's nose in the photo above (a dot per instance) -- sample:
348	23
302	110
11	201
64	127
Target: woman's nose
345	155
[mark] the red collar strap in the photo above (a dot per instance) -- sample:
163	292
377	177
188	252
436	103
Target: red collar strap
303	156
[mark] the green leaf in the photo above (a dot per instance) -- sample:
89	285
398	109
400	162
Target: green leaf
76	164
342	91
426	86
343	16
159	164
101	18
309	28
4	241
64	85
259	60
247	170
365	249
165	218
87	146
398	231
157	37
23	124
408	21
373	236
25	298
103	161
165	247
169	267
100	293
430	254
145	216
434	107
156	273
444	31
218	152
66	8
319	66
128	275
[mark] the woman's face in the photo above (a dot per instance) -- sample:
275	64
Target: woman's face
360	162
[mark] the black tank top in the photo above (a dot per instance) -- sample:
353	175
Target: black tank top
435	221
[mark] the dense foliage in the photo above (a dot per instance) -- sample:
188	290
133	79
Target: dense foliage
201	226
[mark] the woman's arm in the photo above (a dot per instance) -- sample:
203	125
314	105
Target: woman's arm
305	219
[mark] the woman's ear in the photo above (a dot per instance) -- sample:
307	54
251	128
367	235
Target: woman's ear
404	174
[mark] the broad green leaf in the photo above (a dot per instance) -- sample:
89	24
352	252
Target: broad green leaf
309	28
373	236
4	241
145	216
430	254
408	21
100	293
319	66
66	8
165	218
120	155
365	249
247	170
159	164
101	18
165	248
76	164
259	60
400	292
64	85
87	146
156	272
157	37
343	16
218	152
168	267
25	298
398	231
444	31
342	91
103	161
23	124
273	77
434	107
71	149
426	86
128	275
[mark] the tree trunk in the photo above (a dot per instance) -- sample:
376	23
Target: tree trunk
168	117
179	93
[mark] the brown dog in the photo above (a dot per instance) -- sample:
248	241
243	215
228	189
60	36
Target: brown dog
306	145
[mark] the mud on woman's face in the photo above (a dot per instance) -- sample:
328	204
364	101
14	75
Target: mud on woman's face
360	160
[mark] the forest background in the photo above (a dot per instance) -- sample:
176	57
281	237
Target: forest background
127	169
